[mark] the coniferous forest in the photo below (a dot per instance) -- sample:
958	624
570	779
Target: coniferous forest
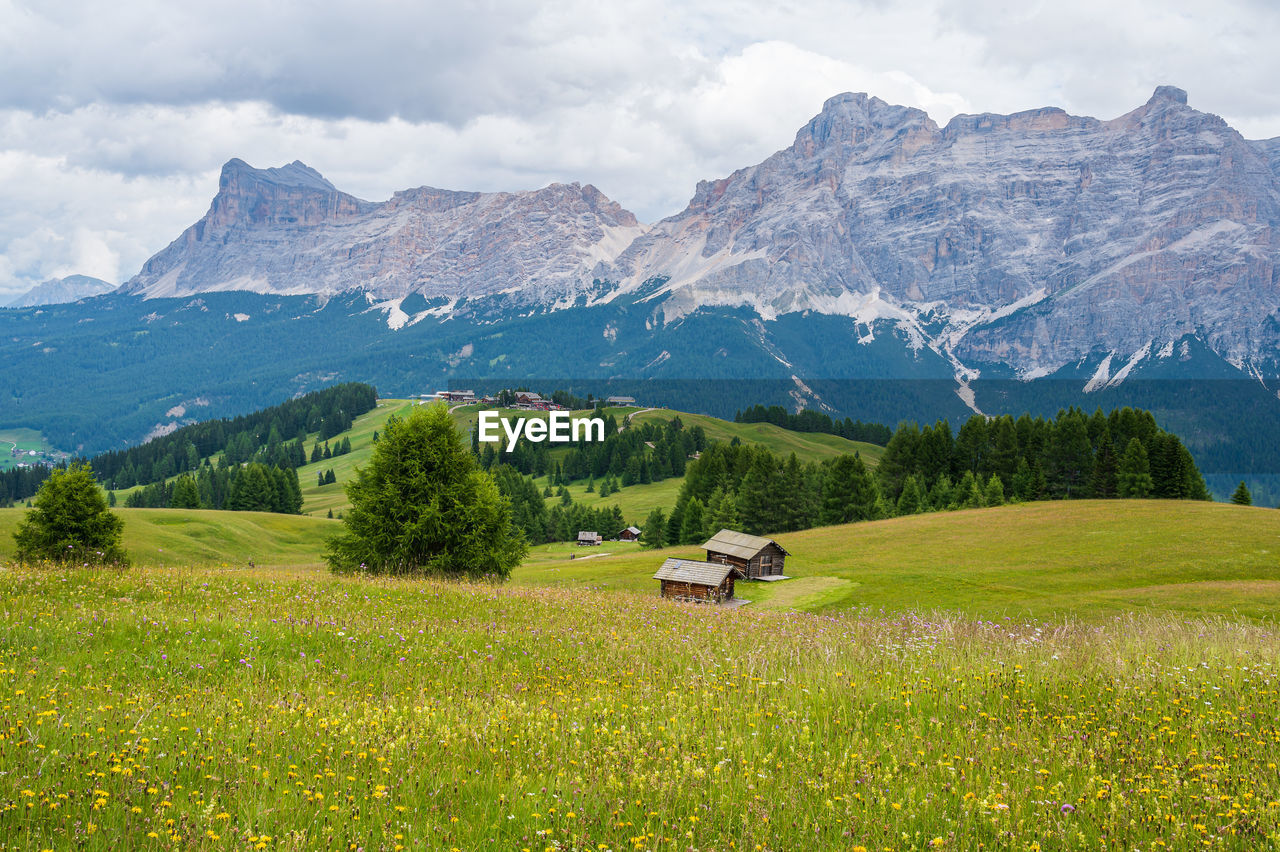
988	462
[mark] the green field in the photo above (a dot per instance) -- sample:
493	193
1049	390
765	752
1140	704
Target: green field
193	537
238	708
1084	559
1088	560
317	500
808	446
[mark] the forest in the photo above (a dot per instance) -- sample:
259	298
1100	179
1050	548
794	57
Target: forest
988	462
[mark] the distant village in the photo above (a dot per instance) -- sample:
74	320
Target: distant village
35	458
520	400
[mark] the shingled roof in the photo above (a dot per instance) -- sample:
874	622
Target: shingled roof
693	571
739	544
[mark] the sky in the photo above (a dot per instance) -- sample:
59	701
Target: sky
115	119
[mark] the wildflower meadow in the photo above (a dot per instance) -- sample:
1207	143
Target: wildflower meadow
230	708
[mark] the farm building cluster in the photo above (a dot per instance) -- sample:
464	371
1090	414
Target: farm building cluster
731	556
524	400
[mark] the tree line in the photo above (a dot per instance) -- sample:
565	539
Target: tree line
560	522
21	483
254	487
643	453
816	421
272	436
989	462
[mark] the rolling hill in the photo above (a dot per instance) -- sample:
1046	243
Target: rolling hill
182	537
1049	560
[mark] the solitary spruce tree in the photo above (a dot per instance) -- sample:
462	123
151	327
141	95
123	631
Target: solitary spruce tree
422	506
70	522
1242	497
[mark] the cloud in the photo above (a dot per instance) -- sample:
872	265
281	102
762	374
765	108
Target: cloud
114	120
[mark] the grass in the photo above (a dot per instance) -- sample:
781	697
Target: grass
1083	559
808	446
320	500
289	709
168	537
635	501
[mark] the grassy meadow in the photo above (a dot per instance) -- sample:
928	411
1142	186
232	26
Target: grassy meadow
197	537
201	708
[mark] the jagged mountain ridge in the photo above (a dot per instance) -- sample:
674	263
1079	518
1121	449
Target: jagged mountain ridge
1027	244
289	231
1031	240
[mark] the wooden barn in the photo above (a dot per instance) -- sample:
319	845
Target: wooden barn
690	580
589	539
754	556
629	534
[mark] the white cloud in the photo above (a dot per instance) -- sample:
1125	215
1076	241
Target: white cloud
114	120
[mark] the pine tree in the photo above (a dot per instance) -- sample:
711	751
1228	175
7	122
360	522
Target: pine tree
725	517
69	522
1241	496
1102	482
1069	457
911	500
422	505
757	495
993	495
185	494
848	492
653	533
1133	478
691	524
969	492
899	459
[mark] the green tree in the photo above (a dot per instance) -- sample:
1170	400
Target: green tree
848	492
1133	478
691	524
911	500
185	494
725	516
1241	496
653	533
423	506
993	495
70	522
757	495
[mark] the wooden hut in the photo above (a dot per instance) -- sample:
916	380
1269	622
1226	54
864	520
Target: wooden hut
589	539
629	534
754	556
690	580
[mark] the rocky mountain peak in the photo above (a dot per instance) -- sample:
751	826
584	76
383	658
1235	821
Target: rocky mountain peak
1171	94
850	118
295	194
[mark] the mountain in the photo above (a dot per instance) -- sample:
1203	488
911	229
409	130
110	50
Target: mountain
1028	241
1010	245
57	291
289	231
880	267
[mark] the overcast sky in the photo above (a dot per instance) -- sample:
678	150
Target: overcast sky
115	118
